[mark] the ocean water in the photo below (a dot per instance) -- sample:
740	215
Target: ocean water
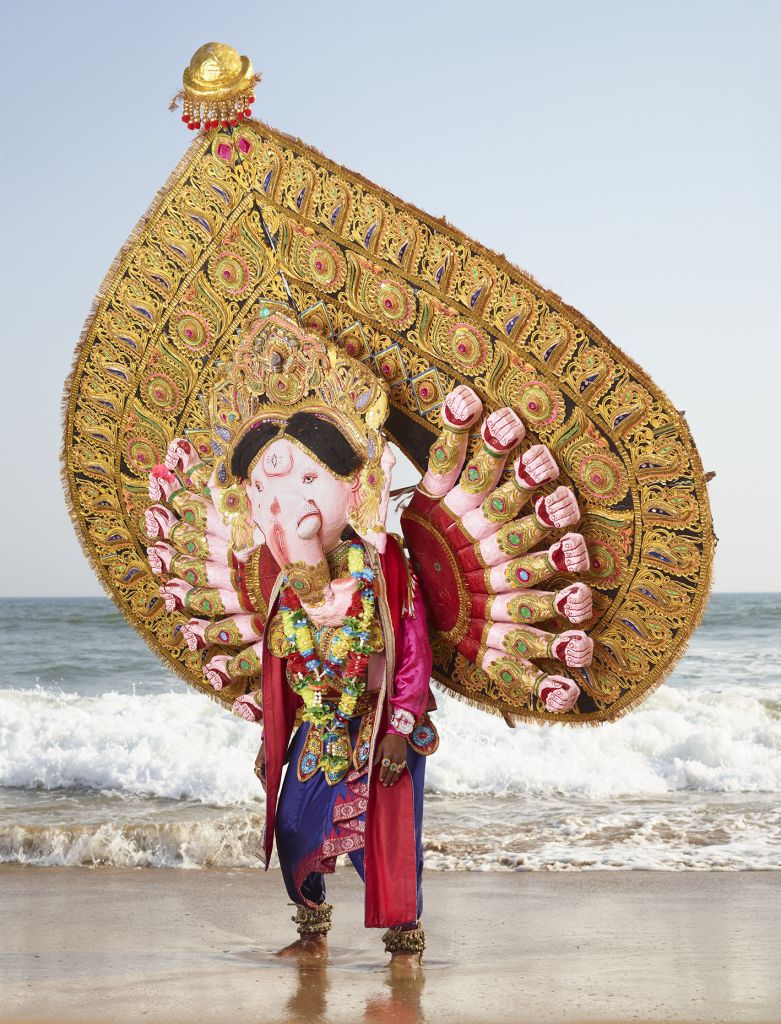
108	759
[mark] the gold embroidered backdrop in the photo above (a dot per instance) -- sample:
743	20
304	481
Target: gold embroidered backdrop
252	216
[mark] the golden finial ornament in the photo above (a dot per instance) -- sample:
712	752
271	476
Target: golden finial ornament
217	88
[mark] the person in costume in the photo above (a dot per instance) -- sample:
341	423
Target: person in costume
272	324
342	652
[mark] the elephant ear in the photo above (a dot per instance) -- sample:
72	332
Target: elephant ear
253	219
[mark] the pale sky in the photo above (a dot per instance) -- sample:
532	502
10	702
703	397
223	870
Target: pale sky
626	154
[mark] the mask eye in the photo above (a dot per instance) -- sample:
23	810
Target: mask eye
258	486
308	478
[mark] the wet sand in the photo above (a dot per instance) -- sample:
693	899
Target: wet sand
170	946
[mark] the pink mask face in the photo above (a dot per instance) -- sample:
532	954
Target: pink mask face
299	505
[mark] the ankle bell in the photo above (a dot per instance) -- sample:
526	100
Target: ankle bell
313	920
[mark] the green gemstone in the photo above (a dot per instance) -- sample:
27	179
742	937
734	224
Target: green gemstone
265	312
521	647
526	613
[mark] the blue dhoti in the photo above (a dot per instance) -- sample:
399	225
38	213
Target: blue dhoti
317	822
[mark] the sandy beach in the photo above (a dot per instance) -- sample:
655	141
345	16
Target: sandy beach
122	945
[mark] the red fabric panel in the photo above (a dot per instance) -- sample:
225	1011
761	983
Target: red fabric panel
389	854
279	712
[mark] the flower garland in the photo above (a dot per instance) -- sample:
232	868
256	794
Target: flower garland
348	658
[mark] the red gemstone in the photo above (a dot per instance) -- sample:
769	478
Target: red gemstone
248	112
233	122
185	118
195	124
251	99
240	114
192	126
224	124
214	124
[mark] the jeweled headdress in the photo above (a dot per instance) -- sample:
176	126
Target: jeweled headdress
280	369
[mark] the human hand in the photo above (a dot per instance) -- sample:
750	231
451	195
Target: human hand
216	671
462	408
559	509
536	466
575	602
393	749
260	765
570	554
558	693
193	632
574	648
502	430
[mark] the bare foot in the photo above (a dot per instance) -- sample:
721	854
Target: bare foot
408	963
307	947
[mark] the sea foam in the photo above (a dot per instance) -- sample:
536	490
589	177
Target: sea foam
181	746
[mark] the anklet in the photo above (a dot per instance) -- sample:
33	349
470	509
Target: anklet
313	920
397	940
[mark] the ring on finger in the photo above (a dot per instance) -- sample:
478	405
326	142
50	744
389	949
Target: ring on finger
386	762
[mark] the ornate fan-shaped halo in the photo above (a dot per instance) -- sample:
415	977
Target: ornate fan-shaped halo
251	219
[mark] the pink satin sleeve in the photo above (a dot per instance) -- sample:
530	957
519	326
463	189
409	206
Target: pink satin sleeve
413	664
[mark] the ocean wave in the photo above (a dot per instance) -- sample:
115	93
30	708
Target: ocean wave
690	838
182	746
196	844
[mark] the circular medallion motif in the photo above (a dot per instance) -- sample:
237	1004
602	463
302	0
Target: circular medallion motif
192	330
607	564
325	266
467	346
602	477
539	406
395	303
231	273
423	736
141	454
162	393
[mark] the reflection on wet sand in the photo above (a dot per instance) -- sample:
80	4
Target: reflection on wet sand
401	1003
398	1004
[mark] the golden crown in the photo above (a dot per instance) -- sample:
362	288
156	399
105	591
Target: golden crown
278	369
